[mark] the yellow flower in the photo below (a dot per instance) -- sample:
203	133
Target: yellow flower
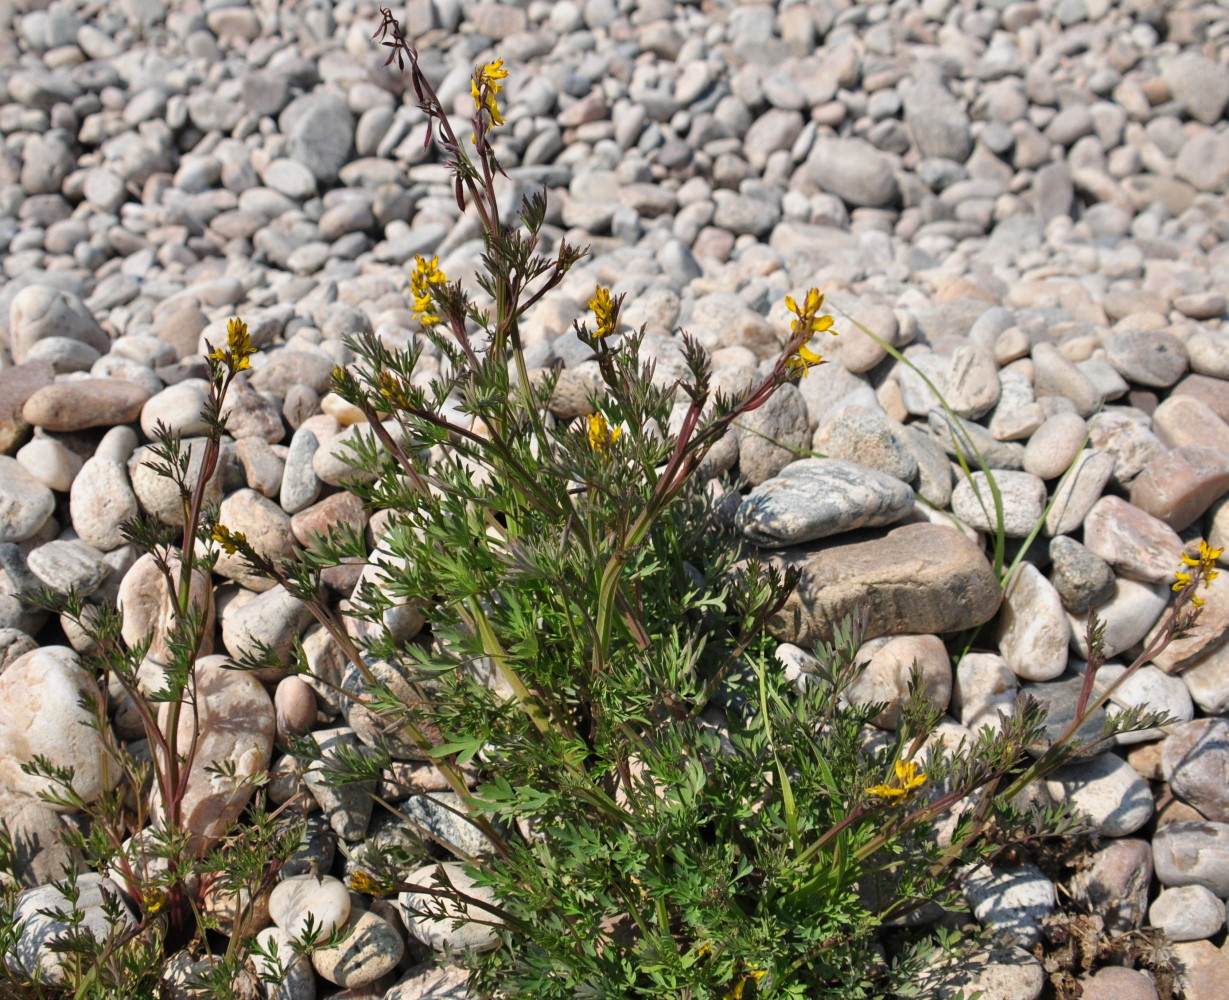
907	779
603	311
601	434
155	899
808	314
238	347
483	87
229	540
1204	567
426	273
366	883
750	976
802	362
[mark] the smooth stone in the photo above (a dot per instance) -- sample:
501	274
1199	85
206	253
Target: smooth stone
934	471
1115	884
887	668
1149	689
98	910
984	691
430	982
1193	852
295	705
1114	982
1034	632
1129	439
1187	913
1056	375
1054	445
853	170
925	578
1060	698
817	497
873	440
1146	357
159	495
18	384
1023	498
64	566
331	461
267	529
84	403
234	722
771	436
1184	420
442	814
148	608
1079	490
52	464
101	501
292	971
179	408
1131	610
263	465
1179	485
1011	902
444	934
41	714
40	311
347	807
39	852
1132	541
372	947
268	623
26	505
963	437
989	973
300	484
1207	679
1107	791
335	511
1194	758
300	900
973	386
1201	968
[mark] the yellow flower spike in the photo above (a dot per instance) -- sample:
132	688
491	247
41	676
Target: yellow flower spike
483	86
603	306
426	274
229	540
235	356
365	883
601	434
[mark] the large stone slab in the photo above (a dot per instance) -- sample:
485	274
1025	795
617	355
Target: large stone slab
918	578
817	497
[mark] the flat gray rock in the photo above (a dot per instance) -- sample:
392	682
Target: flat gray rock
818	497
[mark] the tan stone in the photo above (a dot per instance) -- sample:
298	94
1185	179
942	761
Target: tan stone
1179	485
84	403
918	578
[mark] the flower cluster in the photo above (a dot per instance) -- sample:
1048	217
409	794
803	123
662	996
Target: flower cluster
1202	569
601	434
231	541
603	306
426	274
238	351
809	321
907	779
484	87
